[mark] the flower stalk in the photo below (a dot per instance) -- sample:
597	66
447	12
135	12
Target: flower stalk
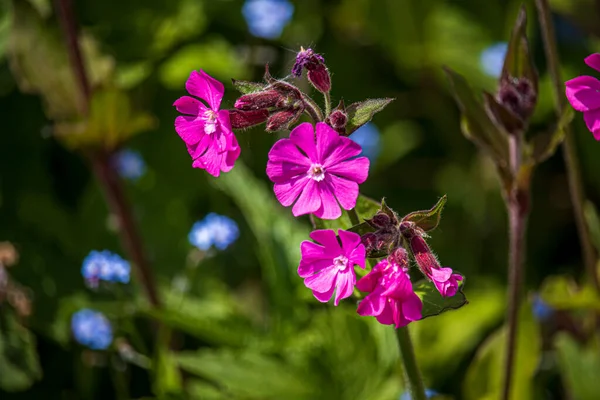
412	375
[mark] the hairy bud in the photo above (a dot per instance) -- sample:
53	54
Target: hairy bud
399	256
519	96
338	120
317	72
246	119
281	120
258	100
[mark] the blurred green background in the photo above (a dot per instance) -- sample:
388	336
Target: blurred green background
246	328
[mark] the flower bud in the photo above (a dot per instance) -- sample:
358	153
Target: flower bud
258	100
368	240
400	257
245	119
380	220
518	95
318	74
281	120
338	120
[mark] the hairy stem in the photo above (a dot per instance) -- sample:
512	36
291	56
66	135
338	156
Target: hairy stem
106	175
327	97
312	109
354	220
413	379
569	148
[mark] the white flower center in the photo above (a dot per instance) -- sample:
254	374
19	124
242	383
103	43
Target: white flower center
210	121
316	172
340	262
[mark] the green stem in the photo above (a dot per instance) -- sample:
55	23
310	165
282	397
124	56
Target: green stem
569	149
327	97
354	220
312	109
414	381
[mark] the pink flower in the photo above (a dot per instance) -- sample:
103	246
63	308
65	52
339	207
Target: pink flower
583	93
391	298
326	266
444	280
318	175
206	131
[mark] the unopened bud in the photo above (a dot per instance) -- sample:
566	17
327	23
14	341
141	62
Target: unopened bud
425	259
281	120
519	96
338	120
407	229
246	119
380	220
368	240
317	74
258	100
400	257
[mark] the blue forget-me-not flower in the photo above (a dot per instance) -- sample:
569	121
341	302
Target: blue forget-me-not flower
129	164
492	59
267	18
105	266
540	309
214	230
91	329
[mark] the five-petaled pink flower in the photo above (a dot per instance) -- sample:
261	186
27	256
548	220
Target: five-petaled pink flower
326	266
583	93
444	279
206	131
391	298
318	173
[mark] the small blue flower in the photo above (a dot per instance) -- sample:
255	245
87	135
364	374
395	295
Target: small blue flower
105	266
369	138
428	393
129	164
214	230
267	18
91	329
540	309
492	59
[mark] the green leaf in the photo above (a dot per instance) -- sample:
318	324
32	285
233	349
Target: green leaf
362	112
593	223
544	145
562	293
501	115
246	87
477	125
518	62
365	208
579	367
434	303
19	364
167	378
428	220
484	376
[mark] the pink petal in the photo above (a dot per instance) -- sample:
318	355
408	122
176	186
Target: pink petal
372	305
312	251
440	274
230	158
284	150
345	148
358	256
324	297
225	122
386	317
329	240
356	170
284	171
189	105
303	136
308	268
210	161
330	208
198	149
592	120
593	61
345	191
344	286
190	129
350	241
289	191
368	283
399	319
583	93
322	281
200	84
327	141
309	200
412	307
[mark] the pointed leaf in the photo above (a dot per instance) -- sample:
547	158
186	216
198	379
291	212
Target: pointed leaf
477	125
365	208
518	62
434	303
428	220
362	112
501	115
246	87
544	145
579	367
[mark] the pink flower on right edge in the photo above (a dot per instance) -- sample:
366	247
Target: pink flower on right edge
327	267
317	174
583	93
391	298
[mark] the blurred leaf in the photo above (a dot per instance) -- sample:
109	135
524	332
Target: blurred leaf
562	293
434	303
397	140
477	126
130	75
199	390
167	379
579	366
248	375
486	372
188	21
544	145
246	87
365	208
111	122
19	363
501	115
362	112
428	220
518	62
593	223
40	63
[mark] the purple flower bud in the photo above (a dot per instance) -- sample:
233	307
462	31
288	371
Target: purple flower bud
258	100
338	120
281	120
380	220
368	240
518	95
245	119
400	257
318	74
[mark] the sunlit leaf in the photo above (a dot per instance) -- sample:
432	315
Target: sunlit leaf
434	303
579	366
428	220
563	293
362	112
246	87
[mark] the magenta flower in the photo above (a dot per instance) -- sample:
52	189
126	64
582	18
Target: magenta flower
326	266
318	175
206	131
391	298
583	93
444	279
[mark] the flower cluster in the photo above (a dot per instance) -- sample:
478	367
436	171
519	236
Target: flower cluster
214	230
104	266
91	329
